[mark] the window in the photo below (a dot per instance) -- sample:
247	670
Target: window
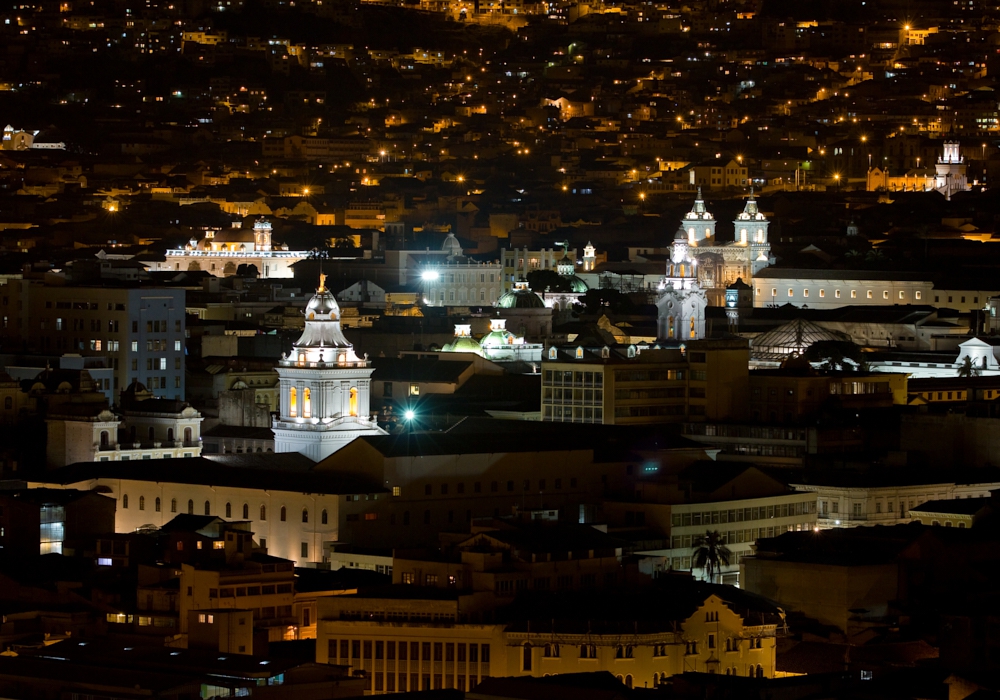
836	293
305	515
305	550
263	512
190	507
173	505
125	501
282	514
208	508
323	518
791	292
885	293
822	293
229	510
918	295
902	294
854	294
246	511
142	503
869	293
293	403
805	293
306	403
156	504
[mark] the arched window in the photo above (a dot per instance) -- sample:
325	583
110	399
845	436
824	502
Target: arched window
323	517
692	327
354	401
190	507
306	403
142	503
246	511
293	402
125	501
151	433
156	504
188	435
105	438
305	515
760	671
281	515
229	510
628	681
263	512
170	434
8	402
208	508
527	656
173	505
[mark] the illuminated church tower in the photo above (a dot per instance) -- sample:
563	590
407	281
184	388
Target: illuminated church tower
699	224
325	387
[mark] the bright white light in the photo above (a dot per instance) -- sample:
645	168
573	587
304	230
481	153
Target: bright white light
429	275
409	415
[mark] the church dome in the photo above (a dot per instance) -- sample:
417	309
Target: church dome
577	285
522	298
323	307
322	329
464	344
451	246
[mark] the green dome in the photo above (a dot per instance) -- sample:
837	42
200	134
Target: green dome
520	299
463	344
577	285
497	339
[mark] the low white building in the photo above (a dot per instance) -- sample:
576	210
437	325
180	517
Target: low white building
292	512
829	289
849	501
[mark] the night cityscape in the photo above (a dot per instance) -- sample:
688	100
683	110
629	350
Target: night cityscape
499	349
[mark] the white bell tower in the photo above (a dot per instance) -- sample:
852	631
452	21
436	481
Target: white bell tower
325	387
699	224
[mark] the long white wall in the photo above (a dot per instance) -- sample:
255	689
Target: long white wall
831	293
283	538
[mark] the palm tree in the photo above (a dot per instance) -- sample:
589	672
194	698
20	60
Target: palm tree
967	369
711	554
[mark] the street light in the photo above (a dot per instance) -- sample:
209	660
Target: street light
408	414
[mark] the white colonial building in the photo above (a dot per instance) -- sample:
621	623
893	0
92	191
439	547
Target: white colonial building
454	279
222	253
144	428
324	386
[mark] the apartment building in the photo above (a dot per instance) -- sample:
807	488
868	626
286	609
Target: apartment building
139	329
703	380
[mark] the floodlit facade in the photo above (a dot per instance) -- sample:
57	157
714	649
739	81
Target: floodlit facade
221	253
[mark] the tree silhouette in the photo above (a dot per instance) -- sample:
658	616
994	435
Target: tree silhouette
967	368
548	280
711	554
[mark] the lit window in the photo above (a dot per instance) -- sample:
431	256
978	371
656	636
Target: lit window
805	293
219	544
837	294
918	295
293	402
822	293
306	403
791	292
